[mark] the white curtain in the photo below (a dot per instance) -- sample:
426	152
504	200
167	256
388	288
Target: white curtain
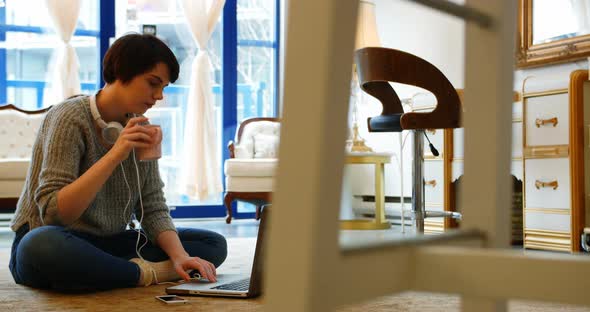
201	174
64	79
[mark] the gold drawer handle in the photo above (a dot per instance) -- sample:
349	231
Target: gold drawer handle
552	184
542	122
431	182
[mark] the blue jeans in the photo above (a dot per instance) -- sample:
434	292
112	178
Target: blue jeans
54	257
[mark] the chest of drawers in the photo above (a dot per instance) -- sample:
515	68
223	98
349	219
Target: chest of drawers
553	148
548	157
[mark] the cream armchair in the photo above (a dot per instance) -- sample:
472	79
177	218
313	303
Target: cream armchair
18	129
250	170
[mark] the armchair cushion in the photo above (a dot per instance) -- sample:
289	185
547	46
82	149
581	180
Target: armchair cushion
265	145
236	167
249	184
244	151
249	173
264	130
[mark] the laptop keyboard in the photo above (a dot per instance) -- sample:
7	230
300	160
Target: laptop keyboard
241	285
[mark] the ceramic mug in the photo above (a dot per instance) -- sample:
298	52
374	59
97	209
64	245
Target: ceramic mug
154	151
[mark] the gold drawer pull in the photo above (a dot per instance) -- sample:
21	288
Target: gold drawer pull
542	122
431	182
552	184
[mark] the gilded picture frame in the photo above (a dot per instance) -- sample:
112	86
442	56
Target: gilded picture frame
558	51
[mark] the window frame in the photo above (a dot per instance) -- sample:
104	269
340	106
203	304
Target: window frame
230	101
229	81
106	8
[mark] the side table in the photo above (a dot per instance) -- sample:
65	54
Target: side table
379	160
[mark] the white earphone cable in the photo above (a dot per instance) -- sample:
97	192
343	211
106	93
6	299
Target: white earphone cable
137	247
127	221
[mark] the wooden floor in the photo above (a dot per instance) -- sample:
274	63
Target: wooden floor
241	238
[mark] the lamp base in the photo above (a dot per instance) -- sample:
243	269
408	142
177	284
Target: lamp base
358	143
360	146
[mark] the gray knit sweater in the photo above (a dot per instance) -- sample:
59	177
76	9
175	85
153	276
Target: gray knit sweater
67	145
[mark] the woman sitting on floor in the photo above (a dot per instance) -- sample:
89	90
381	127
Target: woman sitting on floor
84	185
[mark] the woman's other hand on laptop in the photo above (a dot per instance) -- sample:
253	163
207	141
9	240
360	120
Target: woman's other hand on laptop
205	268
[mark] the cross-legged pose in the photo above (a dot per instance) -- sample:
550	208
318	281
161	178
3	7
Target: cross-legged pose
84	185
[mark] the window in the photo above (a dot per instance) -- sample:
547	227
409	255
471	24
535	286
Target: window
27	42
256	72
257	58
256	63
165	19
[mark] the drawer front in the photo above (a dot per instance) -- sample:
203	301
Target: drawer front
515	168
458	141
547	183
547	222
434	182
547	120
436	136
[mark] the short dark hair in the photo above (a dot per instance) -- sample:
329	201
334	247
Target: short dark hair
134	54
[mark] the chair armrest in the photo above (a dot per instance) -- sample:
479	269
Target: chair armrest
231	148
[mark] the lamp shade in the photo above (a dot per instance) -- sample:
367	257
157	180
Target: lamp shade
366	31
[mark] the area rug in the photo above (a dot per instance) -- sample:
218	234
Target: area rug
15	297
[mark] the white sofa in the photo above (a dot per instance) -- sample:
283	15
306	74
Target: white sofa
18	129
250	170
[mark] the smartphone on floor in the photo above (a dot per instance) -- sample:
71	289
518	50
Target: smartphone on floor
172	299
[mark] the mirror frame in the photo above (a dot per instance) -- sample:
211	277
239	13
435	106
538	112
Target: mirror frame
559	51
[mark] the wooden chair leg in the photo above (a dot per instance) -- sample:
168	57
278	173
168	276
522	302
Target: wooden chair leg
227	200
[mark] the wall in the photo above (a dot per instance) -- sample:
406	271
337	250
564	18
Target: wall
433	36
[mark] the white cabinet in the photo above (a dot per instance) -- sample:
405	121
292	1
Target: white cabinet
456	137
441	171
548	157
553	161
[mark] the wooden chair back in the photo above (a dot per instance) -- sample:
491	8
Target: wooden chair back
378	66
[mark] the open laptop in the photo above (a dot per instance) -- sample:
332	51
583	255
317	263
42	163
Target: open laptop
231	285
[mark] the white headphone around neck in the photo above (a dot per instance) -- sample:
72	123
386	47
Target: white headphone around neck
111	130
110	133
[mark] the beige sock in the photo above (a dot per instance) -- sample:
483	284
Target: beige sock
155	272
